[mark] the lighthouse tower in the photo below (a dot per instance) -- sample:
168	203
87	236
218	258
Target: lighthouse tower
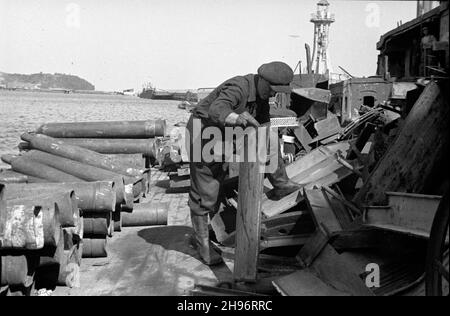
322	20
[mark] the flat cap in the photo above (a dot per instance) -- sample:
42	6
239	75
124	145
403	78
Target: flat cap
278	74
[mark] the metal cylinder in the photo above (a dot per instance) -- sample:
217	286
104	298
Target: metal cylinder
59	266
94	248
66	202
37	169
86	156
14	271
99	225
133	160
75	168
10	176
52	255
32	179
84	172
114	146
91	196
105	129
27	226
50	217
146	214
95	226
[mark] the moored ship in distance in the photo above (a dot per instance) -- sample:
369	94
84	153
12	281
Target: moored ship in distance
150	92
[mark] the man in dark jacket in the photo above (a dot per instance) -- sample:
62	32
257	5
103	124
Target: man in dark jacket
240	101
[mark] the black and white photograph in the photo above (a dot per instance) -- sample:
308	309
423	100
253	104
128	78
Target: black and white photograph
225	153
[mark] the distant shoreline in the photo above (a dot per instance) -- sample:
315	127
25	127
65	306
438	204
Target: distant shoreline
62	91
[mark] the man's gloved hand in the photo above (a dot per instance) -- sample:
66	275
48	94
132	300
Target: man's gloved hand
243	119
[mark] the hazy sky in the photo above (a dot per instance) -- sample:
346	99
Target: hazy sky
120	44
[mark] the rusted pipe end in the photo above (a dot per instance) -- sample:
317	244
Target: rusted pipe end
8	158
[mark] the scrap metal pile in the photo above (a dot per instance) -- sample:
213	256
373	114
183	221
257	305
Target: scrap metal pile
371	188
72	186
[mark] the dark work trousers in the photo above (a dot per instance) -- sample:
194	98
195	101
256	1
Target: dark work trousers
206	178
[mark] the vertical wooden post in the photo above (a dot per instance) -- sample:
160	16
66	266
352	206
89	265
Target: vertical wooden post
248	222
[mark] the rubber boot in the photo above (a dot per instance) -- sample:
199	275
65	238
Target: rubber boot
282	185
201	243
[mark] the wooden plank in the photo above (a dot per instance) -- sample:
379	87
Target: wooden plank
412	162
284	241
303	137
341	212
327	128
205	290
321	211
305	283
272	208
333	177
343	209
248	221
316	171
293	223
312	248
331	139
291	217
288	224
328	172
313	158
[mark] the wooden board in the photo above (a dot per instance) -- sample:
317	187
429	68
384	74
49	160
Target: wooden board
305	283
327	128
329	175
284	241
327	172
340	210
321	211
272	208
303	137
313	158
312	248
248	221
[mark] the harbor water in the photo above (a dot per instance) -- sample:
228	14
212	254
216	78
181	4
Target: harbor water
22	111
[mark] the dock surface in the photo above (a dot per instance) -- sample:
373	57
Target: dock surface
150	261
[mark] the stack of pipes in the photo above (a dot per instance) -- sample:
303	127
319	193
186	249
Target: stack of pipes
102	185
128	141
40	238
